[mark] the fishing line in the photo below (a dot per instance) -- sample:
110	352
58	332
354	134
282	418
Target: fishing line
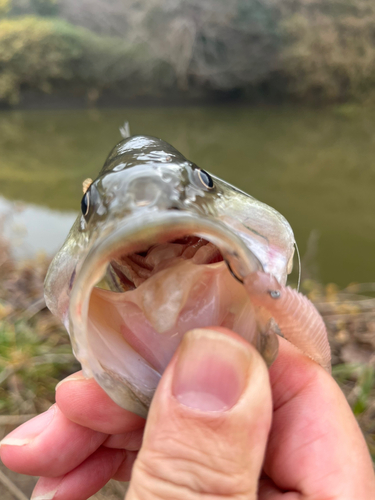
299	266
232	272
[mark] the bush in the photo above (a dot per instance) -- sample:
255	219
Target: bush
329	48
29	7
40	53
4	7
217	44
305	49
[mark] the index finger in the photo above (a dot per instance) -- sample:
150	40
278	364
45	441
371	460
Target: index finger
84	402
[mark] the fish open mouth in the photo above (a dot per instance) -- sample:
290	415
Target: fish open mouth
156	295
143	286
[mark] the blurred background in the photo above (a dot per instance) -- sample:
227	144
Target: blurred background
277	98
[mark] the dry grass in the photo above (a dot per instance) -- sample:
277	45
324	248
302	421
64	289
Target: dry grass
349	315
35	354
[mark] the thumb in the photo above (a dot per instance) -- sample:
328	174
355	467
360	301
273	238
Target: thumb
208	424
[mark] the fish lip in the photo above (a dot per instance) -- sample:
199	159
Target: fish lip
135	234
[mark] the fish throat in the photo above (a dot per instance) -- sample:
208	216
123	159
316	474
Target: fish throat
151	298
138	292
129	271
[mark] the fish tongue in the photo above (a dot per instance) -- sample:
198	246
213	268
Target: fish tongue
153	318
164	295
165	307
162	252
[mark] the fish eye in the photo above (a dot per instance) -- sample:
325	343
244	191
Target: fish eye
91	202
275	294
85	203
205	178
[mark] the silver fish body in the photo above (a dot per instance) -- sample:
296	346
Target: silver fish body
154	254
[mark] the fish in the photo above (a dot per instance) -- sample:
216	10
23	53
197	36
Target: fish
160	247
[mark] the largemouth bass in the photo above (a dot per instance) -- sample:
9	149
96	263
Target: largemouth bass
161	247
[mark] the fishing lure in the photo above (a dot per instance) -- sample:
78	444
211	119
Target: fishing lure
296	316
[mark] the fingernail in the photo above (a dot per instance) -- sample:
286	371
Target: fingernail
211	371
48	495
43	491
29	430
71	378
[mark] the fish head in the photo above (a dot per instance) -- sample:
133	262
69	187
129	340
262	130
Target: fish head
142	176
161	247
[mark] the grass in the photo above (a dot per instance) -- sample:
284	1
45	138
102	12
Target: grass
349	315
35	351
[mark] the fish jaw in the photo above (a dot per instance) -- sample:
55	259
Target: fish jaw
264	230
130	370
62	272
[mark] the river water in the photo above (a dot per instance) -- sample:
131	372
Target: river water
317	167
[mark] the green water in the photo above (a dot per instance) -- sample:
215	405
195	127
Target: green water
317	167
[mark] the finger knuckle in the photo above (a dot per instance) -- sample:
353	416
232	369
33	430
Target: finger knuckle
182	470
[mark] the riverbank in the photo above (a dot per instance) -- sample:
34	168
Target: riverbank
293	50
76	99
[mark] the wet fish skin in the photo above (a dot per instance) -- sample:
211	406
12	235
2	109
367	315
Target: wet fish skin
154	161
146	193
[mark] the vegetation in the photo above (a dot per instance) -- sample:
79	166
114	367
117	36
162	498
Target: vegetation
305	49
349	315
34	348
329	48
35	354
216	45
48	54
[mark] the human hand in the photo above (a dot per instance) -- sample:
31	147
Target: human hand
208	434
